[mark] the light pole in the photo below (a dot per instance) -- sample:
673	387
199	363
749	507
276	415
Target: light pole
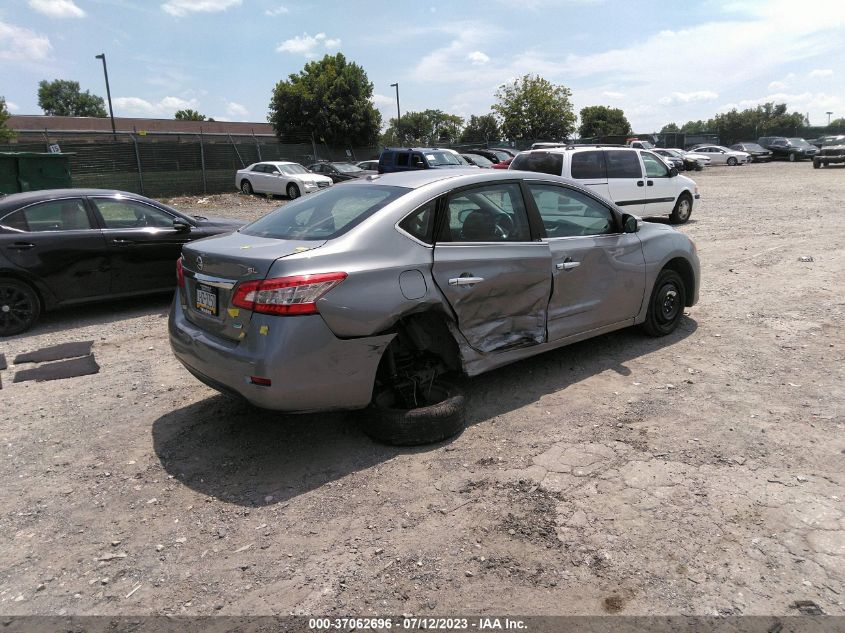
108	91
828	117
398	114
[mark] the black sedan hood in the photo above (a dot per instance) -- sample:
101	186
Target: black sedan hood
221	222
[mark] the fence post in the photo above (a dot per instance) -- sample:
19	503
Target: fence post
257	146
138	162
236	150
202	164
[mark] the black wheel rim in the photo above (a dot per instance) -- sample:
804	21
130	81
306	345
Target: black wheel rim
16	308
667	303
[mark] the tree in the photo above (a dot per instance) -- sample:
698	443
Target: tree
330	99
670	128
768	119
837	123
533	108
189	115
603	121
64	98
429	127
6	133
481	129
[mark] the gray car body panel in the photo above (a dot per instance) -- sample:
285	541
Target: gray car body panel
329	360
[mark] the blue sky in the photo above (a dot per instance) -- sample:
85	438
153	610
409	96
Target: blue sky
658	61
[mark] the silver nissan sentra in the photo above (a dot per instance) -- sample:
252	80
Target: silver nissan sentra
386	283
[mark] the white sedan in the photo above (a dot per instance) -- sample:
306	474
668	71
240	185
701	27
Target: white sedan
279	177
719	155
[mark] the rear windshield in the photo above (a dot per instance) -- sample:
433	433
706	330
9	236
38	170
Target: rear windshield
542	162
325	215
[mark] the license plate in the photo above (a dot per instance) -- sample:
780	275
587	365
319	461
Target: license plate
206	299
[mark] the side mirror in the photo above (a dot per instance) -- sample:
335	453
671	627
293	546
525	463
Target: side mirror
630	223
673	171
181	226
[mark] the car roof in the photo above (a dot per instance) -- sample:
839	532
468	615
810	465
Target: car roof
16	199
416	178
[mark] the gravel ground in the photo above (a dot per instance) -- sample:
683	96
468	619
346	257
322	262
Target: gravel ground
700	473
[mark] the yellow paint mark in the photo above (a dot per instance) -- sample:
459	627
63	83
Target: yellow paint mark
263	329
233	312
299	249
246	247
243	335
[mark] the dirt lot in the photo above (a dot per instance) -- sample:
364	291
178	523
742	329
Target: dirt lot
701	473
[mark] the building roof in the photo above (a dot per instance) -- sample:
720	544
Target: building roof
39	123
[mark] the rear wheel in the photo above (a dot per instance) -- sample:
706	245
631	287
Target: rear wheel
293	191
683	209
246	187
816	163
19	306
666	305
438	415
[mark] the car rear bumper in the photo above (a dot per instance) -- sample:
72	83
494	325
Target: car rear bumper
310	369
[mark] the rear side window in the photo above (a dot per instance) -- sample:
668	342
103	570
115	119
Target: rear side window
623	164
588	165
420	223
55	215
541	162
325	215
402	159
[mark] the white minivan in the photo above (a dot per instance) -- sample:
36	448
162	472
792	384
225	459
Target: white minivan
637	180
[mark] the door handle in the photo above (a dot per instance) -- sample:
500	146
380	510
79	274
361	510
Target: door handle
567	265
121	242
465	281
21	246
640	183
650	183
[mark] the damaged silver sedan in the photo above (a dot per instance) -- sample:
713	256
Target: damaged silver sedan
366	295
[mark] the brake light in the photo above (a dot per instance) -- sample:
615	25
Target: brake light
180	274
285	295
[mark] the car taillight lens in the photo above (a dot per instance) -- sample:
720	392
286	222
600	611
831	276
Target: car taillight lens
180	274
285	295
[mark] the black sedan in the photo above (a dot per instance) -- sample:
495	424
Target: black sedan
339	171
60	247
756	153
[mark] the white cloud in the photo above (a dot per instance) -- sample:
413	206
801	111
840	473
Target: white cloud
12	107
382	100
236	110
478	58
613	95
777	85
20	44
689	97
801	102
165	107
280	10
821	72
181	8
57	8
307	45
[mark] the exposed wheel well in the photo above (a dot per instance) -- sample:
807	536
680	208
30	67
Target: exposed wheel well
7	274
683	268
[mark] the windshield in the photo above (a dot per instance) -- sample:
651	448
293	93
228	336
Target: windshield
324	215
347	167
294	168
438	158
833	140
753	147
799	142
479	160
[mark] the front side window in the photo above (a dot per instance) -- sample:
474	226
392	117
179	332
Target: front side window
324	215
492	213
55	215
654	167
128	214
569	213
402	159
623	164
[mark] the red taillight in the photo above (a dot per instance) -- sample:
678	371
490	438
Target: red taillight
180	274
260	381
285	295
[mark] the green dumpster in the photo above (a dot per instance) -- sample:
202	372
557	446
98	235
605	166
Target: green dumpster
30	171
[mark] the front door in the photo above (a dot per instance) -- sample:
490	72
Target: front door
598	271
495	278
661	186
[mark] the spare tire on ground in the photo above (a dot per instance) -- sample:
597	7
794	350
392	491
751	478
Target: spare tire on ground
439	416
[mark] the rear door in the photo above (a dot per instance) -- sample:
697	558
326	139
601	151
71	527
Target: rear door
496	279
598	271
625	181
58	242
143	245
590	169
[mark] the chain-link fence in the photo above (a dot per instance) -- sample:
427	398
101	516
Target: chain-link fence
163	165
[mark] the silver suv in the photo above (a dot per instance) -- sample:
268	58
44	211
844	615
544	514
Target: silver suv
637	180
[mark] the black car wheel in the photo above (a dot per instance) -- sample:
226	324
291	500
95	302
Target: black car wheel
19	306
293	191
246	187
666	305
683	209
816	163
440	415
